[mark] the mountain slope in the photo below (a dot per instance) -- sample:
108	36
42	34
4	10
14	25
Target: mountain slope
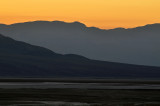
135	45
19	59
11	46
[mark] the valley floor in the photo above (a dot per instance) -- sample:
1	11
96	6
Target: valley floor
79	97
67	92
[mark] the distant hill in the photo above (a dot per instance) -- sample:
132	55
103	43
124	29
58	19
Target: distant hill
19	59
138	45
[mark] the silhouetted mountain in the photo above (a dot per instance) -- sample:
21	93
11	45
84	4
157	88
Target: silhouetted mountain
19	59
134	45
10	46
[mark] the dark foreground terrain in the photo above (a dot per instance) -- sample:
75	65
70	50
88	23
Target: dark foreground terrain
79	97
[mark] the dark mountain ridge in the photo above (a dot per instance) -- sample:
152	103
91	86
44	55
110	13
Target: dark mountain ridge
11	46
138	45
19	59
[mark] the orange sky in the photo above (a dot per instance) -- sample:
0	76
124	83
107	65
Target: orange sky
100	13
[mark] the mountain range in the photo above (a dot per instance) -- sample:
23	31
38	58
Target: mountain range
138	45
20	59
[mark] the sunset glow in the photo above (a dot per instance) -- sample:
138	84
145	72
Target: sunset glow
100	13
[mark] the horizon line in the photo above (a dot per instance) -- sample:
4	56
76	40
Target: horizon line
75	22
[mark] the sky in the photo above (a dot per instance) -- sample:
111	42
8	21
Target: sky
105	14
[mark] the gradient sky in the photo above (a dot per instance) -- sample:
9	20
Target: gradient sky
100	13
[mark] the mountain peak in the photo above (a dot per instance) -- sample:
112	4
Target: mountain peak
72	24
79	23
